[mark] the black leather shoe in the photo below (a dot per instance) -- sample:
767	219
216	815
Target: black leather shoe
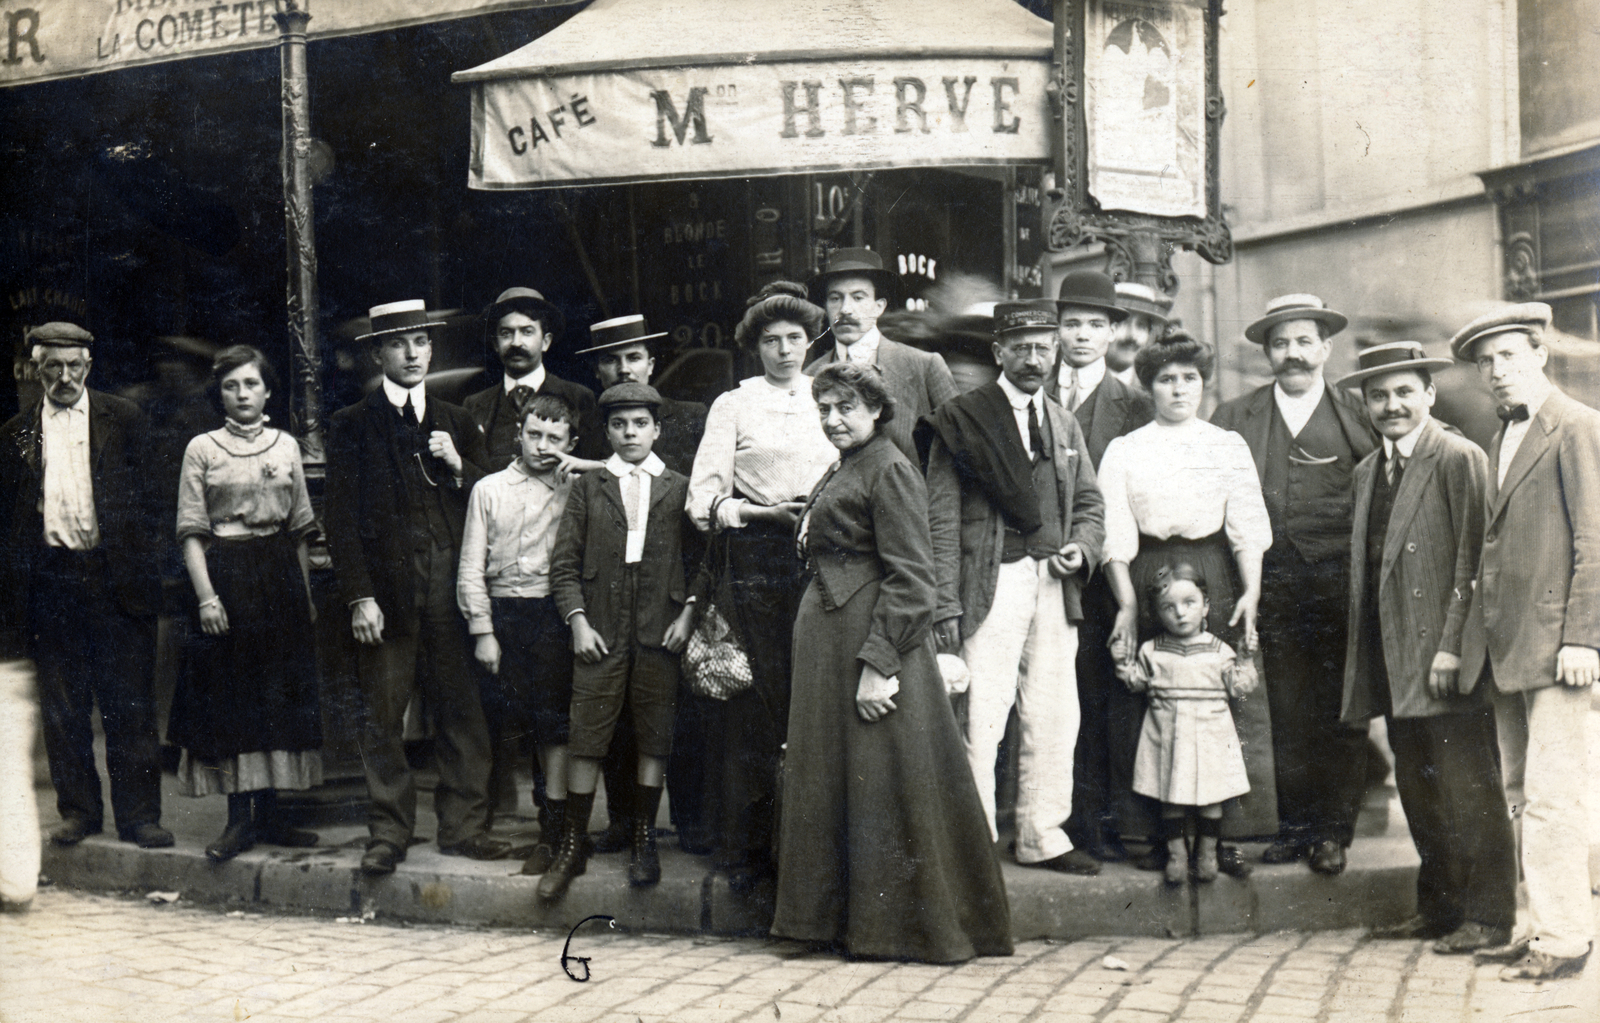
1328	858
1108	850
1231	861
1284	851
539	860
1510	952
479	847
381	859
149	836
1470	937
1418	928
1073	861
1539	966
236	838
644	866
72	831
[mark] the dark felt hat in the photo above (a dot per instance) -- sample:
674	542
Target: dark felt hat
525	301
1529	317
857	263
1093	289
629	395
59	334
1029	314
1390	358
1295	307
398	318
619	332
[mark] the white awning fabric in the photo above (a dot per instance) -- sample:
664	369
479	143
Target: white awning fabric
649	90
46	39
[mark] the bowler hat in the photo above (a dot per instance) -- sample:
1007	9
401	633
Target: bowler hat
59	334
1390	358
398	318
858	263
1093	289
525	301
1029	314
1295	307
629	395
1529	317
618	332
1143	300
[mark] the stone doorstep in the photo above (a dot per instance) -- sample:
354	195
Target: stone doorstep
1377	888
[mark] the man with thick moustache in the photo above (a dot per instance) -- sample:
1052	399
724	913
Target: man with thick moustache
1538	599
83	550
1306	438
1148	318
522	325
855	291
1088	315
1414	547
1017	523
400	467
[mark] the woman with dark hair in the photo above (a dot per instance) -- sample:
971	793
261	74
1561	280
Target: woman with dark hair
884	848
245	711
762	452
1182	490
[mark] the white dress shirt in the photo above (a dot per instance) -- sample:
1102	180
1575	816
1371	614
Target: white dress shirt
397	396
1127	376
512	520
533	381
1515	432
1406	445
1297	412
67	498
1089	378
651	467
1020	400
864	351
764	440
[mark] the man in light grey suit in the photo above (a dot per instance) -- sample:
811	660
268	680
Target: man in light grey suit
1538	599
855	290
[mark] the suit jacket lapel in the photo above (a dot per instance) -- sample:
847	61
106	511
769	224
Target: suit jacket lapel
1364	481
101	422
1413	483
611	486
1258	420
1532	448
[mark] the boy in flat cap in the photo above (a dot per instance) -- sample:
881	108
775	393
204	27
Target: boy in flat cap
620	578
1538	600
73	472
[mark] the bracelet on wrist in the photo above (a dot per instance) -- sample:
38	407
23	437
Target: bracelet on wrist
207	603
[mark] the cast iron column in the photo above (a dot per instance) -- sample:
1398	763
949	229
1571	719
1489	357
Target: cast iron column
300	238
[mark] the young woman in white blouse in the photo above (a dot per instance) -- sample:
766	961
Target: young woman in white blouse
762	452
1180	490
245	711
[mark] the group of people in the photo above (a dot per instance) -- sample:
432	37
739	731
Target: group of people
1193	621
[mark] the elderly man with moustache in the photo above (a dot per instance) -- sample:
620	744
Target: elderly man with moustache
1538	600
855	290
1306	439
1417	534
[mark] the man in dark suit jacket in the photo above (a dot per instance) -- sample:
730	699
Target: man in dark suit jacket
855	289
73	472
1418	532
1306	438
522	325
1538	599
400	467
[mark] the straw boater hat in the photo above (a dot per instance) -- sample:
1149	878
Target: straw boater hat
1143	300
1390	358
398	318
1029	314
1295	307
1529	317
857	263
1093	289
619	332
59	334
525	301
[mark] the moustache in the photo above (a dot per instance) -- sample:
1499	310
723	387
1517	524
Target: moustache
1300	364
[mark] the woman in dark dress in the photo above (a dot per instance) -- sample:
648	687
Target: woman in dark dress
883	846
245	711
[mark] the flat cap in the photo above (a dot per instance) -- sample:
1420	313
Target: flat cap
630	395
1532	317
60	334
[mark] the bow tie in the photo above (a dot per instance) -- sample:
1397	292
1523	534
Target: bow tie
1514	414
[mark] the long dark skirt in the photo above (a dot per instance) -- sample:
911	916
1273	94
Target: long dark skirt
1256	812
254	688
884	845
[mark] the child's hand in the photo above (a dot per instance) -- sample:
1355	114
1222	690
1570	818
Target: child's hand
586	643
1131	676
487	651
679	631
1243	680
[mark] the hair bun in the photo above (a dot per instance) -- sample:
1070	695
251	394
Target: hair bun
789	288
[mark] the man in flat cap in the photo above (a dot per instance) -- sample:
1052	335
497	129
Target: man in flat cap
1306	438
1418	532
522	324
73	472
1538	600
855	291
400	467
1017	523
1148	316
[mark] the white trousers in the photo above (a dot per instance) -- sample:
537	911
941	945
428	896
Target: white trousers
1543	732
1024	654
19	812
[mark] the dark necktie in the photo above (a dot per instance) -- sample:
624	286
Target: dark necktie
1395	467
1035	438
408	413
520	396
1514	414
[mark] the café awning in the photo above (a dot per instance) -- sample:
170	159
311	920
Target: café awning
650	90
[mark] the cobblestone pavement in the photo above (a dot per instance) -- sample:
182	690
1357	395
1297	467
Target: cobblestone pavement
110	960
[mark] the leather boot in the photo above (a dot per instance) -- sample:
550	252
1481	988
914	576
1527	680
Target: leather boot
240	834
572	856
645	867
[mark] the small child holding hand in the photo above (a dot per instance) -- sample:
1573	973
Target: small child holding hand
1189	756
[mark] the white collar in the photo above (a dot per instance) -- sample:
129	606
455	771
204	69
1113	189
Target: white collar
81	405
533	381
1406	444
1089	376
652	464
1533	406
397	396
523	475
1307	400
867	345
1019	398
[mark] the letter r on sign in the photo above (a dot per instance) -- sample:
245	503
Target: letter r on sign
16	35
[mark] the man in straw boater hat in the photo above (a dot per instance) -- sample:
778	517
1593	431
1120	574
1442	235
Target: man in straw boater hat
624	350
1306	439
1414	546
400	467
1017	523
856	290
74	478
522	325
1148	318
1538	602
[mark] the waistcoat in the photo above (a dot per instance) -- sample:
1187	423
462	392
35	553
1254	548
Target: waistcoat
424	475
1048	538
1311	506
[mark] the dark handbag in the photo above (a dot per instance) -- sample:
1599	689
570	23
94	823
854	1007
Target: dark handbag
714	661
